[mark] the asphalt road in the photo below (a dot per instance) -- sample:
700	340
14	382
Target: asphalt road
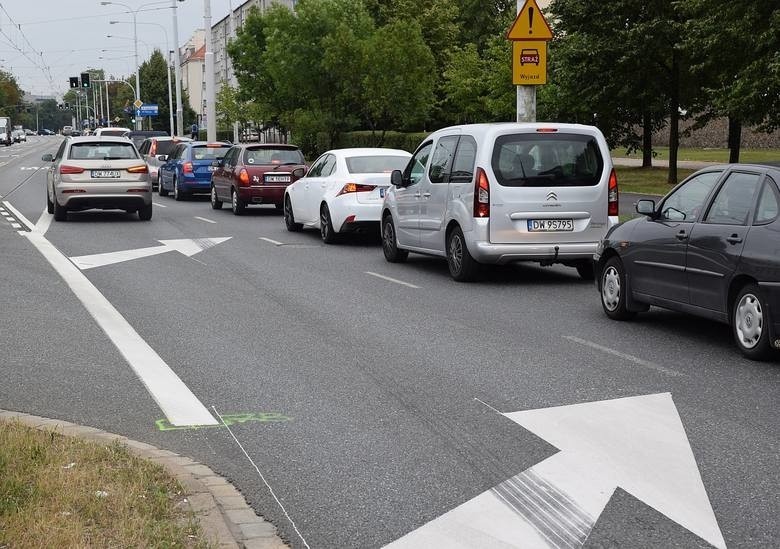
385	394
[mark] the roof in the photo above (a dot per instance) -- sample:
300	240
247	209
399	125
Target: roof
197	55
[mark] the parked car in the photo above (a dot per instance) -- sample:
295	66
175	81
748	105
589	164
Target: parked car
342	192
188	168
97	172
155	150
112	132
45	131
28	131
708	248
138	136
255	174
500	193
18	136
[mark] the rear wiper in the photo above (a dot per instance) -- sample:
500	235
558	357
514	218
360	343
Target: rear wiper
284	164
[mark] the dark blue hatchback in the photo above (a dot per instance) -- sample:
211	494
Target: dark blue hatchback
188	168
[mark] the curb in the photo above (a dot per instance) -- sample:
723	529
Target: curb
224	515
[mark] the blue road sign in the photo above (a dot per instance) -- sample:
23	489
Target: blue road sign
148	110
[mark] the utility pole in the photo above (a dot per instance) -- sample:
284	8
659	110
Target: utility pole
228	61
108	108
211	122
177	72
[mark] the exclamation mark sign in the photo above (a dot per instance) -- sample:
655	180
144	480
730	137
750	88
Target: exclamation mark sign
530	20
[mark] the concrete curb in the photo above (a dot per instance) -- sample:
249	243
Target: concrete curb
226	518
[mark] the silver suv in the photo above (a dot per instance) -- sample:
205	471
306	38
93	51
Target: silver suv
499	193
97	172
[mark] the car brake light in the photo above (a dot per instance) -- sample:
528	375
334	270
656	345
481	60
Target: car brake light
243	176
73	191
356	188
138	190
187	167
64	169
215	145
138	169
481	194
546	130
612	194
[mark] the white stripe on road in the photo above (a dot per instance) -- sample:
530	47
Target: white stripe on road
625	356
383	277
18	215
206	220
274	242
16	226
159	205
43	222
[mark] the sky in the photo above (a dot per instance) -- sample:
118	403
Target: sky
69	36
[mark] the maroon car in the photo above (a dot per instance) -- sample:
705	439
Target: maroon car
255	174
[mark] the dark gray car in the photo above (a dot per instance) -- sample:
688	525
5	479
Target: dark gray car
710	248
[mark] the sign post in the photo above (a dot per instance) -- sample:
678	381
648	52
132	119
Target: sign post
529	35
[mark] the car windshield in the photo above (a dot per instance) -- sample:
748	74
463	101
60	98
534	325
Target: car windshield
547	160
273	155
103	150
209	152
376	164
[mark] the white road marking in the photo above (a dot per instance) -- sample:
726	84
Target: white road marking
383	277
175	399
186	246
19	215
159	205
206	220
16	226
274	242
43	222
630	358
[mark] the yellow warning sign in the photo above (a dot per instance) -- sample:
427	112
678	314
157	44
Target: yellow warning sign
530	24
529	63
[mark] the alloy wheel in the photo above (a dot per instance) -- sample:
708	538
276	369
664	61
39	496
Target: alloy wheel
456	253
749	321
610	288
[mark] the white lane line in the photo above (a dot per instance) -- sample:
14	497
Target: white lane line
43	222
630	358
16	226
383	277
274	242
19	215
206	220
159	205
177	402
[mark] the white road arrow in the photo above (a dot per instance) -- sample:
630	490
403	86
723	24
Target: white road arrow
186	246
636	443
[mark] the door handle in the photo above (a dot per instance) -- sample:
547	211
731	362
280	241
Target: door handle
682	235
734	239
426	195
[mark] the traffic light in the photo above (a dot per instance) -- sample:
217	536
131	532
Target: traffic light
84	79
74	81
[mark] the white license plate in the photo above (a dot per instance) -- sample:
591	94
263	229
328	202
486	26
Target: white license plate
277	178
550	225
105	174
212	168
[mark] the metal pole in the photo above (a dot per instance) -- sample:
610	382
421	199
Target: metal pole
37	124
137	70
526	95
228	61
108	107
211	122
102	109
177	72
170	92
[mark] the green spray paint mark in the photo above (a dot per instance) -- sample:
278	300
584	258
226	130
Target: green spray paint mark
229	419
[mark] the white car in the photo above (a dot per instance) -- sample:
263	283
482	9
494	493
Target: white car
343	191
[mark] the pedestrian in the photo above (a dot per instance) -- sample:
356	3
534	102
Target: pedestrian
194	130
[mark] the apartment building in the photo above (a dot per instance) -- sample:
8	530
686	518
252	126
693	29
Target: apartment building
193	70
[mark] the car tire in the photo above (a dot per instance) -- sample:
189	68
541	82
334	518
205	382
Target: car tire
289	218
750	323
49	203
390	243
236	204
178	195
145	213
463	267
613	290
327	232
279	207
586	270
216	203
60	212
160	190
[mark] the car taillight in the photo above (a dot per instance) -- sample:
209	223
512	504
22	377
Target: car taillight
481	194
243	177
138	169
356	188
187	167
613	207
70	169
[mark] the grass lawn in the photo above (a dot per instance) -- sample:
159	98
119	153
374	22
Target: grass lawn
646	180
708	155
58	491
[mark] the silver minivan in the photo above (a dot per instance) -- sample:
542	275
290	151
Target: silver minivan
500	193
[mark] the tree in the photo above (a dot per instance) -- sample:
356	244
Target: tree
10	94
153	74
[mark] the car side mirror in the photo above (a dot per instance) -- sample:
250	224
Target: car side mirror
47	158
646	207
397	179
216	164
162	157
299	172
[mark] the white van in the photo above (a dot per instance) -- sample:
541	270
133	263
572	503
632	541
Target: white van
499	193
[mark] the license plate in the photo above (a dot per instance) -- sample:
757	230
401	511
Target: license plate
105	174
550	225
277	178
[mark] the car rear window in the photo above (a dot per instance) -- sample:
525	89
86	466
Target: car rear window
209	152
102	150
113	133
547	160
376	164
164	147
270	155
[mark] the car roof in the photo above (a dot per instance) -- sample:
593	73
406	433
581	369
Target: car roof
500	128
269	146
99	139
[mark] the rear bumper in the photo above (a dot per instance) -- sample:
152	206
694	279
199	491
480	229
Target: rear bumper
107	201
262	195
189	184
347	214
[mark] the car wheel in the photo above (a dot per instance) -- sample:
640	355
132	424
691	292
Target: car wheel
586	270
463	267
389	242
326	226
177	194
145	213
216	203
160	189
60	212
750	323
237	205
613	290
49	203
289	218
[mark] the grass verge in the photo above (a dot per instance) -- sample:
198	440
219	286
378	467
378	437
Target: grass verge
647	180
708	155
58	491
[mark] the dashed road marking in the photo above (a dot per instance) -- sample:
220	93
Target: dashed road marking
630	358
383	277
274	242
159	205
206	220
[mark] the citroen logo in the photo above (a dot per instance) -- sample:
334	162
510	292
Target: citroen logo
552	196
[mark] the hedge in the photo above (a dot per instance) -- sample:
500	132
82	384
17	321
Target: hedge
348	140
